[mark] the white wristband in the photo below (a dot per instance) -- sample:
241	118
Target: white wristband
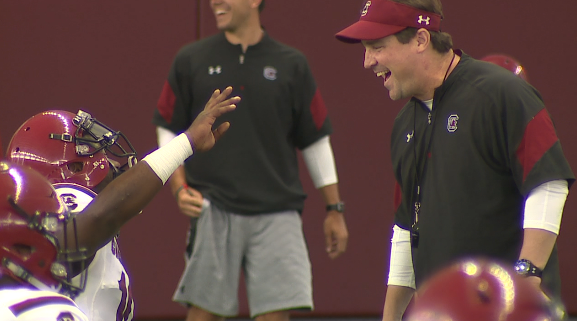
165	160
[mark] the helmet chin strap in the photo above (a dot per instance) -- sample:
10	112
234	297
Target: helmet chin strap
116	170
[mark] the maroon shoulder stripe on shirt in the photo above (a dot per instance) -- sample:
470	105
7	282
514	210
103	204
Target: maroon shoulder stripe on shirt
318	110
34	303
539	136
166	101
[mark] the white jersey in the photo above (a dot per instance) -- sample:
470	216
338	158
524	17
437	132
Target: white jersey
107	296
34	305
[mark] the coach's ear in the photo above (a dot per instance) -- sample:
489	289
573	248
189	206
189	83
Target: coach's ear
422	40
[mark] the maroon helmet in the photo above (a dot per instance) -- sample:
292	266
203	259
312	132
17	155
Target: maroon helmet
480	290
509	63
69	148
37	236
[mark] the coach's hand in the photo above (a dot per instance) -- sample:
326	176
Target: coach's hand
200	134
336	234
189	201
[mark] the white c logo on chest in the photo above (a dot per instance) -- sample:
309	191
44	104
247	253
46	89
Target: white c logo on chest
452	123
269	73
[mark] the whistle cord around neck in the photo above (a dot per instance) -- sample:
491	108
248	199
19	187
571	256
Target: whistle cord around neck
449	68
418	172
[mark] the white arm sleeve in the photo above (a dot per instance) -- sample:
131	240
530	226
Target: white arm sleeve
544	206
164	136
320	162
401	271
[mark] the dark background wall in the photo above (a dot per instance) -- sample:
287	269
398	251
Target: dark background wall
111	58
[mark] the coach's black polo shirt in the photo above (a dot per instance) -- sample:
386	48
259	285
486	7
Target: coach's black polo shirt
485	145
253	169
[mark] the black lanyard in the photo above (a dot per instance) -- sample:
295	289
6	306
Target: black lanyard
420	170
420	173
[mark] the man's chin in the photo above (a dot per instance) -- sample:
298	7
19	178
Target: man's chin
393	95
224	27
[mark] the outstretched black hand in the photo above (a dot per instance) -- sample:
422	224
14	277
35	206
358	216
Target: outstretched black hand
200	133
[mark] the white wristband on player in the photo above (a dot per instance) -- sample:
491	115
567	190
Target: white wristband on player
165	160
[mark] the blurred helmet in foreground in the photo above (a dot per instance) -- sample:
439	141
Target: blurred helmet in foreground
480	290
38	240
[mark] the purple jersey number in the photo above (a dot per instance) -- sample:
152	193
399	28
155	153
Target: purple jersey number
125	307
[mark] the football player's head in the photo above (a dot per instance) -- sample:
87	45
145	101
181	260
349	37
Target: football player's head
509	63
38	243
480	290
71	148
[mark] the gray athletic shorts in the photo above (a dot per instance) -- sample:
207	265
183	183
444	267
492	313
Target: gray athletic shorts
271	250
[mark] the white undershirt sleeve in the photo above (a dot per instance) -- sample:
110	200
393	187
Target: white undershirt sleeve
320	162
401	271
544	206
164	136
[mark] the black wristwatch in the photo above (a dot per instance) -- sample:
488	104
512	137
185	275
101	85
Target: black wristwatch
339	207
526	268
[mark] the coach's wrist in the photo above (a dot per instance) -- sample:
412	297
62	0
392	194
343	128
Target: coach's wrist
336	207
180	188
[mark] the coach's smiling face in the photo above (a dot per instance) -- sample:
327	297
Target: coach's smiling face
399	64
231	15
